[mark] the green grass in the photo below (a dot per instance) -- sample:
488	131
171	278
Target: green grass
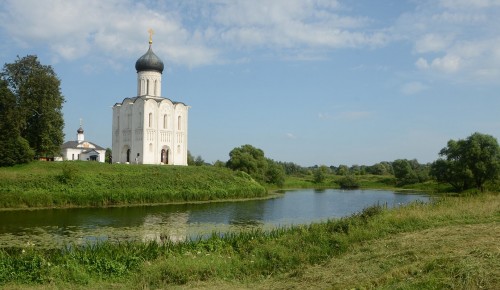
451	243
66	184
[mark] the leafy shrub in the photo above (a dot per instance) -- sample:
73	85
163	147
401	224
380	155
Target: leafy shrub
348	182
69	173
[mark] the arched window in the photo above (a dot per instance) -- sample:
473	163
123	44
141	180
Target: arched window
165	121
147	87
150	120
156	88
179	119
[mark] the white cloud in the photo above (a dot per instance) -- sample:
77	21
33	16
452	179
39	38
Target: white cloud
467	4
190	33
422	63
291	136
104	29
432	43
412	88
454	37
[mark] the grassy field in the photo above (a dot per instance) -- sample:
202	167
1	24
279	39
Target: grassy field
451	243
66	184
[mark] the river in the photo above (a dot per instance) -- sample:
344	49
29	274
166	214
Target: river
59	227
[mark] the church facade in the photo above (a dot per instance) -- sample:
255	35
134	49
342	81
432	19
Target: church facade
148	128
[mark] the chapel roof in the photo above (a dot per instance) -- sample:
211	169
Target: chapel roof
78	145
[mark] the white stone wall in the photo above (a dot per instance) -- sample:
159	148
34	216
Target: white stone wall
77	154
149	126
149	83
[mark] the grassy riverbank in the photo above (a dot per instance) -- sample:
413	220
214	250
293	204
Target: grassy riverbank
67	184
448	244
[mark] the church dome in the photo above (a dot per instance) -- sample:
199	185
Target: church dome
149	62
80	130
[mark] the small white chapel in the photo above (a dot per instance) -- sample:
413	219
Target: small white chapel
82	149
148	128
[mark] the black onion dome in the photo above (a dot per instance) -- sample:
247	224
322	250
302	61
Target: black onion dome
149	62
80	130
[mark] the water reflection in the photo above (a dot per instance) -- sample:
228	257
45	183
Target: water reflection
158	228
57	227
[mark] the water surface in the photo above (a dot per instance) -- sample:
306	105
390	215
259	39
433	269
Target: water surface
57	227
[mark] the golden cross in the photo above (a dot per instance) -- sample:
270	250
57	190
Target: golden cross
151	32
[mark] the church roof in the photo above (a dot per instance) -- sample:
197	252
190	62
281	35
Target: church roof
157	99
74	145
149	62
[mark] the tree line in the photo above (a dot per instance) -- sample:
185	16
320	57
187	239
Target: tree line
463	164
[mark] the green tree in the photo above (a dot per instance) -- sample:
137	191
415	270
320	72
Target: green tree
219	163
275	173
15	149
190	158
39	101
292	168
348	182
404	172
108	156
250	160
469	163
320	174
342	170
381	168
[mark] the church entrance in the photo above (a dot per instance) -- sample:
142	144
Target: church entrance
128	155
164	156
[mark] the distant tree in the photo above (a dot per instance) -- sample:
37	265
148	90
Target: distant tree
342	170
381	168
219	163
14	148
108	156
468	163
292	168
355	169
192	161
250	160
275	173
404	172
348	182
198	161
39	101
190	158
321	173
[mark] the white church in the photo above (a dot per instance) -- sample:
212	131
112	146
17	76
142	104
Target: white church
148	128
81	149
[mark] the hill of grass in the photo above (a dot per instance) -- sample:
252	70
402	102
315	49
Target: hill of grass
69	184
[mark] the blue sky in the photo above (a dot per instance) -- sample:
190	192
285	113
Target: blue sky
311	82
